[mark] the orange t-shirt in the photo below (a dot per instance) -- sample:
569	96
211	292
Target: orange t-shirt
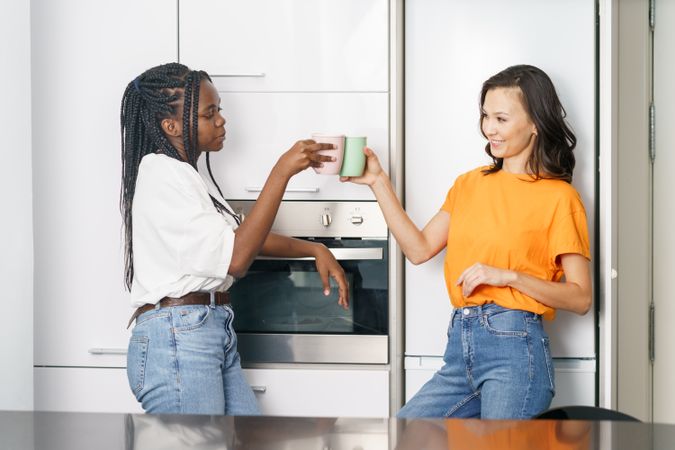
511	221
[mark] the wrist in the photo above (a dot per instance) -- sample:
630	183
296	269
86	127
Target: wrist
316	249
280	172
381	180
512	278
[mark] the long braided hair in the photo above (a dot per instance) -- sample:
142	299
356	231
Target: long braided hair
153	96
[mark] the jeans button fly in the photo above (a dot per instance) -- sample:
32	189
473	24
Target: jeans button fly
466	311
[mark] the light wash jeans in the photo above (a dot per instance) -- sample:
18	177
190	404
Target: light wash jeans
497	366
184	360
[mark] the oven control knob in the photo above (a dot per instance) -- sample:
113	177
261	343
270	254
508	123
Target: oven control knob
357	220
325	219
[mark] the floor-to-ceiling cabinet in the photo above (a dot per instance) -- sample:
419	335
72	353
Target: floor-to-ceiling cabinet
664	211
451	48
83	55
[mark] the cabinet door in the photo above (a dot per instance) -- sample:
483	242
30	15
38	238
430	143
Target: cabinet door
261	126
84	54
78	389
442	84
321	392
288	45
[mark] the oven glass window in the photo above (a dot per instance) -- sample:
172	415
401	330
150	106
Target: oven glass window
286	296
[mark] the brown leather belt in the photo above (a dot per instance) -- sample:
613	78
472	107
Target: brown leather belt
193	298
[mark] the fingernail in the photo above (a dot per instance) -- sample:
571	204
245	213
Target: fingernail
326	292
333	158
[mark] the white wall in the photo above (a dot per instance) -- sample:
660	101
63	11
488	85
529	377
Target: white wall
16	226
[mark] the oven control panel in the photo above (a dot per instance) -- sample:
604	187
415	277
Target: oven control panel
324	219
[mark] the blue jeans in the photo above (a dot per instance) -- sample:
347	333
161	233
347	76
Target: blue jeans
184	360
497	366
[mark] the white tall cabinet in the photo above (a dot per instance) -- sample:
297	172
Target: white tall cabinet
84	54
16	267
451	48
664	213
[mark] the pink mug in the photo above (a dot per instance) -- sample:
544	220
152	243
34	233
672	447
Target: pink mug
330	167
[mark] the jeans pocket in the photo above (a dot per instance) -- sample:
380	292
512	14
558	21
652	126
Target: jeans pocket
137	355
509	323
191	317
549	363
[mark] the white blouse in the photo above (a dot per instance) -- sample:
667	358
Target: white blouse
181	243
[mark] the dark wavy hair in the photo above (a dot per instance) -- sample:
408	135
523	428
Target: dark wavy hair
553	155
155	95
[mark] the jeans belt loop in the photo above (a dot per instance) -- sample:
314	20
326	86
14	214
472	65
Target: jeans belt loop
212	295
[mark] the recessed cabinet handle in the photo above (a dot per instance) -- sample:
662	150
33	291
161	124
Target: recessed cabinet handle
108	351
289	190
259	389
240	75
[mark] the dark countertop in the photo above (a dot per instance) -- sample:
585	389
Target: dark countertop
74	431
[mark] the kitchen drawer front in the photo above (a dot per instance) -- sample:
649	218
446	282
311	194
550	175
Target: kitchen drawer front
321	392
83	389
287	45
261	127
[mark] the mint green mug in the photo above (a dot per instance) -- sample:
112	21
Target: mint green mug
354	160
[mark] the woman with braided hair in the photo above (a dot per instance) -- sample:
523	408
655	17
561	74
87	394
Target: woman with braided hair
184	247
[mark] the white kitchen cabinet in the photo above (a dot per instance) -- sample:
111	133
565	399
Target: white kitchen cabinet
574	379
79	389
288	45
280	392
321	392
83	55
443	84
443	139
262	126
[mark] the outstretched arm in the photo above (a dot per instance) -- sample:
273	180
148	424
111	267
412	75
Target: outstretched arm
417	245
252	233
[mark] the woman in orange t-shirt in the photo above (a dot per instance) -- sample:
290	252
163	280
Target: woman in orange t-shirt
511	230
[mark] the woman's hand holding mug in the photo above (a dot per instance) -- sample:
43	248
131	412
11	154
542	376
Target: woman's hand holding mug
302	155
371	173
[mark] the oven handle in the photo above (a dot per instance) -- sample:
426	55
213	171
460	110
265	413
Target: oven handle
302	190
341	254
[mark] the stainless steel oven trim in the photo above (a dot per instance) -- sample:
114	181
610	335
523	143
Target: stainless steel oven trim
341	254
305	348
324	219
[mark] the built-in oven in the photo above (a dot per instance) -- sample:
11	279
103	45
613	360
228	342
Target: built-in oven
281	313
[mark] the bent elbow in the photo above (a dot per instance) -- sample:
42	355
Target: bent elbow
419	256
237	270
416	260
585	306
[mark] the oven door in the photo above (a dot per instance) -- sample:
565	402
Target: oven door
282	315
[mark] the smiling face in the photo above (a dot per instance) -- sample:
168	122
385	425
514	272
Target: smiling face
508	127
